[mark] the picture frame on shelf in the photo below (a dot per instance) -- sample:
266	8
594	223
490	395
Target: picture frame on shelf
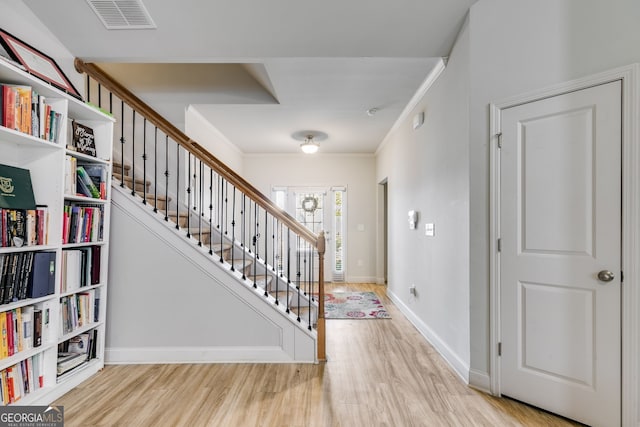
37	63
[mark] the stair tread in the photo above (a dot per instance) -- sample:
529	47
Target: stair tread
153	196
128	179
119	165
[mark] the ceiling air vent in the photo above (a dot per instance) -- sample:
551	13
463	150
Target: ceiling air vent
122	14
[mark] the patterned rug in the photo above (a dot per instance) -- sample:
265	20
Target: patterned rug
354	305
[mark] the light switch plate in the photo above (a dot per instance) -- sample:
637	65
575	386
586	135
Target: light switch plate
430	229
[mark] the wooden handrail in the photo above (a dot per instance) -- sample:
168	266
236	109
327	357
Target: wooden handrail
194	148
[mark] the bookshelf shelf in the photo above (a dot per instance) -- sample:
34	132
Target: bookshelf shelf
86	158
79	331
25	354
82	289
48	165
81	199
13	249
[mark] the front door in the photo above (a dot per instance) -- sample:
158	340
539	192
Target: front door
560	254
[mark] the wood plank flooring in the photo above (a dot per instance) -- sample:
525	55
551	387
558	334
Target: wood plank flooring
379	373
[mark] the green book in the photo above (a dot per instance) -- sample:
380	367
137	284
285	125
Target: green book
86	179
16	191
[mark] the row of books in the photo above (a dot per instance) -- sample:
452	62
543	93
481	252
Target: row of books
21	379
76	351
24	110
82	223
80	268
78	310
26	275
87	180
23	328
24	227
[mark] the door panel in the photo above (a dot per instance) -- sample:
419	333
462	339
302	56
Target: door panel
560	209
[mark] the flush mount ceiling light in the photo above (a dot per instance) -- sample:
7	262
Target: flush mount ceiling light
309	140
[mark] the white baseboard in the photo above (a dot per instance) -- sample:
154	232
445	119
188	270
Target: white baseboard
458	365
480	381
360	279
150	355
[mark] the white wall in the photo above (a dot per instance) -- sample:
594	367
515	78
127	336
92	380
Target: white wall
356	172
170	301
17	19
427	170
518	46
204	133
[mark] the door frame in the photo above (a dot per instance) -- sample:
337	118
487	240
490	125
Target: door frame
630	303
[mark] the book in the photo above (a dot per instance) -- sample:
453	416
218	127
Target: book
37	327
84	181
98	175
16	190
68	361
41	281
79	344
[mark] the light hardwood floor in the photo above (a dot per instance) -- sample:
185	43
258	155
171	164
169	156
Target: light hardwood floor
379	373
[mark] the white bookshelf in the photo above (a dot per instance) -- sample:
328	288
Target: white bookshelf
46	163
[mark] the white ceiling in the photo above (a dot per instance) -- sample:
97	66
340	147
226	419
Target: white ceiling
261	70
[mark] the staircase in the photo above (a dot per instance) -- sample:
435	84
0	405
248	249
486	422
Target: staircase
241	240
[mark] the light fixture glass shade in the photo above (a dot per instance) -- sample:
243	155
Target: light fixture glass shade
309	146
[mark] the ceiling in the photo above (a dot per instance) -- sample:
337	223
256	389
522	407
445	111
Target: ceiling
260	71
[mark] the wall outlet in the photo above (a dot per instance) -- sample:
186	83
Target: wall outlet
412	290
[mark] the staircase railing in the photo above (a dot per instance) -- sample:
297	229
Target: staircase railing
217	208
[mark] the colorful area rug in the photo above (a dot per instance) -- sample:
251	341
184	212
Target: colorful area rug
354	305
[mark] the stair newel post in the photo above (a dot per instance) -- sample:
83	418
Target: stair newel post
144	163
210	211
320	245
166	178
188	195
155	170
243	238
122	140
233	227
133	152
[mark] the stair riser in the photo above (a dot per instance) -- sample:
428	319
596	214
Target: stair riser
117	170
139	185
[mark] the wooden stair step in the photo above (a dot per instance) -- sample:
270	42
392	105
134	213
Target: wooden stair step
151	198
237	265
116	167
140	183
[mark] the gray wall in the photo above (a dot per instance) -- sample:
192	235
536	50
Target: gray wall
518	46
427	171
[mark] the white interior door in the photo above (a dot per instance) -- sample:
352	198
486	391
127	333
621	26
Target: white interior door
560	230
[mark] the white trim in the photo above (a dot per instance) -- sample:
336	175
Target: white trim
360	279
146	355
480	381
417	97
630	227
457	364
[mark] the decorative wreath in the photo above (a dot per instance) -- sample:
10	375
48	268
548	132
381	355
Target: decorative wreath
310	204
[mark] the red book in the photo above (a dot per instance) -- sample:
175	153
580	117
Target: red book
10	343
